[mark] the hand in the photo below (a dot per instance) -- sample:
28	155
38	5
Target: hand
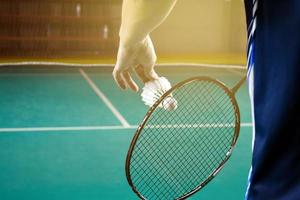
141	58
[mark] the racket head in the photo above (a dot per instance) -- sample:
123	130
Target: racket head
226	92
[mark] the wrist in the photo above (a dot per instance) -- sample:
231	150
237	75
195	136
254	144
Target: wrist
132	43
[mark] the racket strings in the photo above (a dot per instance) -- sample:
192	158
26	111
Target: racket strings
178	150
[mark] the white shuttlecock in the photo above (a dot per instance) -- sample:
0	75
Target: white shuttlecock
153	90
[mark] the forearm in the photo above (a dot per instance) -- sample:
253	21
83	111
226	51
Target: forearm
140	17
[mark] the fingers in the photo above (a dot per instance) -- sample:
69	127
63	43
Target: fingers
128	57
132	85
146	74
140	73
150	73
124	80
119	79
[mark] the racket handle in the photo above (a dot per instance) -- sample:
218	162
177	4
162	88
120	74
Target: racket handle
239	84
140	72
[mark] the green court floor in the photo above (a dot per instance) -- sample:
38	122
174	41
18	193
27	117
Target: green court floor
60	140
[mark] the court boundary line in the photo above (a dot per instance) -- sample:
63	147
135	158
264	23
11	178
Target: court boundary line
237	72
78	128
105	100
167	64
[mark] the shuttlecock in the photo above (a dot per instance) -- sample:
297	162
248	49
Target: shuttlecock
153	90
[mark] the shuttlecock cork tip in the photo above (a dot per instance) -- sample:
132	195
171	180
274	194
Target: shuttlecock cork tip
169	103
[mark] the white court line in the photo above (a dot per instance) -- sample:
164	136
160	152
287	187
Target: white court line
70	128
105	99
236	72
33	63
217	66
78	128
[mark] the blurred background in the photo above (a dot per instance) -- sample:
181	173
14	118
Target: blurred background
197	30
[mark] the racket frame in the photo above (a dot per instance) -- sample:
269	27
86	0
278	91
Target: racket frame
231	95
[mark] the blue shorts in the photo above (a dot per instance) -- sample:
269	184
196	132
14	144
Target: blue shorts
274	86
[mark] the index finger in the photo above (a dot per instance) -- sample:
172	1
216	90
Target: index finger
130	82
118	79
